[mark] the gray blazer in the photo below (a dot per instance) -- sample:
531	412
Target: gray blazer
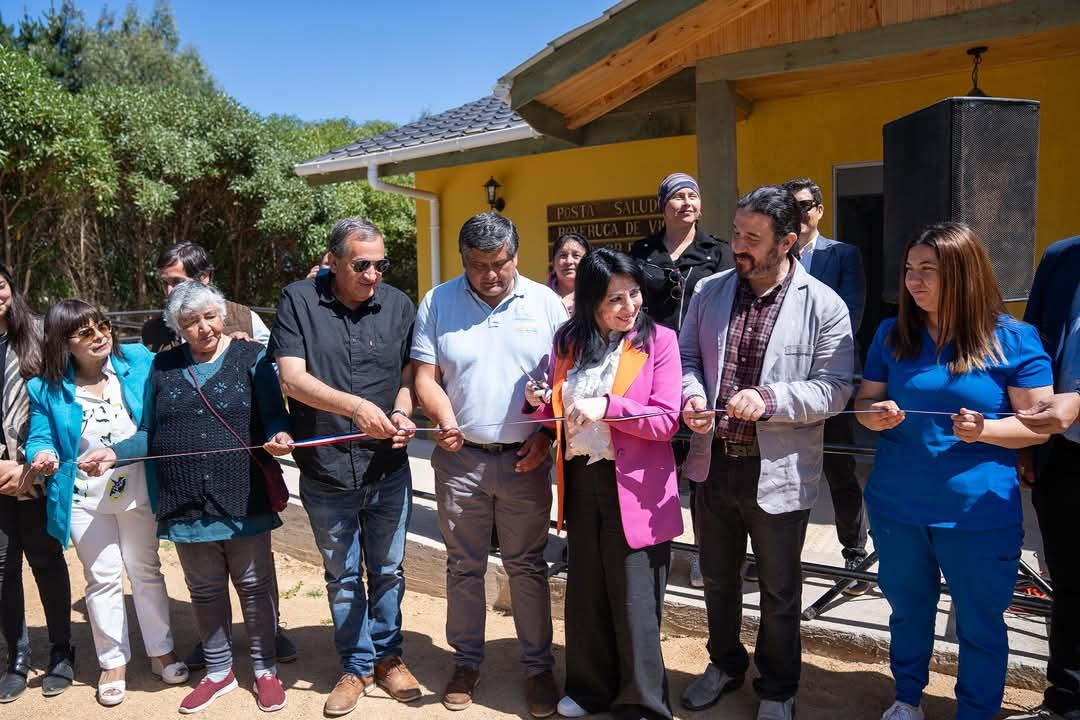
808	365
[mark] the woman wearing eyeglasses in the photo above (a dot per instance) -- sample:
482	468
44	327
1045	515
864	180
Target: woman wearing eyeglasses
567	254
678	257
89	396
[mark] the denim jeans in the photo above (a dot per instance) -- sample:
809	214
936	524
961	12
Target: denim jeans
365	526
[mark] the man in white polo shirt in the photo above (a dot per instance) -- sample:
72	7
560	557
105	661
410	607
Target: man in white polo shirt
475	339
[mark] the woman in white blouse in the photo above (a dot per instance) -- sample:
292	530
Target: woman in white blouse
90	396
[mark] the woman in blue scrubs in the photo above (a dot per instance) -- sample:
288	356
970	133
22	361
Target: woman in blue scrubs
944	496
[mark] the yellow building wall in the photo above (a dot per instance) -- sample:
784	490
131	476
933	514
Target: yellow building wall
793	137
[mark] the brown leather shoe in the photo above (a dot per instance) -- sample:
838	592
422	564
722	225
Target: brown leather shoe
460	689
393	677
542	695
348	691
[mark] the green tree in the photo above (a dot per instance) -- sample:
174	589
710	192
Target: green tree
129	147
55	162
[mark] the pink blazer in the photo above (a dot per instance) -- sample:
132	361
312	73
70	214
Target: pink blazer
644	463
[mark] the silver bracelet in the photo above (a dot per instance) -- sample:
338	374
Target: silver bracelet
352	417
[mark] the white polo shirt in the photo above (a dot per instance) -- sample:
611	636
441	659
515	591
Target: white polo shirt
484	352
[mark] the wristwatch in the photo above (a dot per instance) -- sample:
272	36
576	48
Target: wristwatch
397	411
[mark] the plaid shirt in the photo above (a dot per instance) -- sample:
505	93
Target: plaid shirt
752	321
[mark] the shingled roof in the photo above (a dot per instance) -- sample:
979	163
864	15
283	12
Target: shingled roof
480	116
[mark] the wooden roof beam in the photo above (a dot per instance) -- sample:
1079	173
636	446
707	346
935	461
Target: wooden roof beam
1014	18
584	51
646	62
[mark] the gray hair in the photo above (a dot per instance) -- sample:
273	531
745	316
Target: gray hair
488	232
191	296
346	228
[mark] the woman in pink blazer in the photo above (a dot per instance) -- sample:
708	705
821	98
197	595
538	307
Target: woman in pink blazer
616	477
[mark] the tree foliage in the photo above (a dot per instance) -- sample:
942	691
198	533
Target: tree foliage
115	142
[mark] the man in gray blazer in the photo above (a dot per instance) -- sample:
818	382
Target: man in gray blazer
838	265
770	348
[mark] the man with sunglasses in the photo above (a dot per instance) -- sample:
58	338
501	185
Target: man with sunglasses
838	265
341	341
188	261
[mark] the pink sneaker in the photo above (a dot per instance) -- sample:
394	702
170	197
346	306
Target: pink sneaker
206	692
269	695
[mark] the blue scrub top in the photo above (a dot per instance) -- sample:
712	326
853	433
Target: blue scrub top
923	474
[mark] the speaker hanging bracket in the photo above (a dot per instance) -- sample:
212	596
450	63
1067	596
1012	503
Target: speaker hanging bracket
976	54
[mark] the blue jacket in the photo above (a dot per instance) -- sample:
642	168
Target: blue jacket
839	265
56	425
1051	295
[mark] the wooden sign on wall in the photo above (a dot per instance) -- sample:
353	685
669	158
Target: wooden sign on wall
613	223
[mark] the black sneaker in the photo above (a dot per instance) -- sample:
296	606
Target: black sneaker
195	659
750	572
284	648
859	587
61	672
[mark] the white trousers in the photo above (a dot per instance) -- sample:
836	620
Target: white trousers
106	544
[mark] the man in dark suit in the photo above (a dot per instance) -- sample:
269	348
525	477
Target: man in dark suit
1054	309
838	265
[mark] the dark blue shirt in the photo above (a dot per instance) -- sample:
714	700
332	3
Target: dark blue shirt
361	352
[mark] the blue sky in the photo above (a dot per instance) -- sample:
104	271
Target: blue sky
368	60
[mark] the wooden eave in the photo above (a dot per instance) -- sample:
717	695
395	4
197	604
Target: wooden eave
776	48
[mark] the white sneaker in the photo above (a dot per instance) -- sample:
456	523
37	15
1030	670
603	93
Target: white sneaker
903	711
696	580
570	709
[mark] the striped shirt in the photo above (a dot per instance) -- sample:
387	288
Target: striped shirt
752	321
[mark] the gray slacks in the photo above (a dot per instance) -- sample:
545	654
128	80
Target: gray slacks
477	489
208	566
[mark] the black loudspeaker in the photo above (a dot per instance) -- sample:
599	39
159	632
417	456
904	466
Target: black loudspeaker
968	159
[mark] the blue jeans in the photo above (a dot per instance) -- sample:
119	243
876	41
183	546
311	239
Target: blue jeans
367	524
980	567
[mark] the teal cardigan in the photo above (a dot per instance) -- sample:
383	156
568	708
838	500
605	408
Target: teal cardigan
56	425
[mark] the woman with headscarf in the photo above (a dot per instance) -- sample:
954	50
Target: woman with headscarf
680	255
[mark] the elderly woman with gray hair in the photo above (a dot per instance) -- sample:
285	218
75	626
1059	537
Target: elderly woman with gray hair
215	393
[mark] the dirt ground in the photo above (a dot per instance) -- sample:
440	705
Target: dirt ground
830	688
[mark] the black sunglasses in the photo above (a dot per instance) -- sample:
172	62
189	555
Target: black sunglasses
673	276
807	205
381	266
104	327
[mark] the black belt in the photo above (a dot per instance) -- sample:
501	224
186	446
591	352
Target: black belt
494	447
738	450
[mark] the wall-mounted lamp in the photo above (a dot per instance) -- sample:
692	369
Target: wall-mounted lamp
493	199
976	54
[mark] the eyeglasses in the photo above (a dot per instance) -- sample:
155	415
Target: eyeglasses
381	266
103	327
807	205
673	276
